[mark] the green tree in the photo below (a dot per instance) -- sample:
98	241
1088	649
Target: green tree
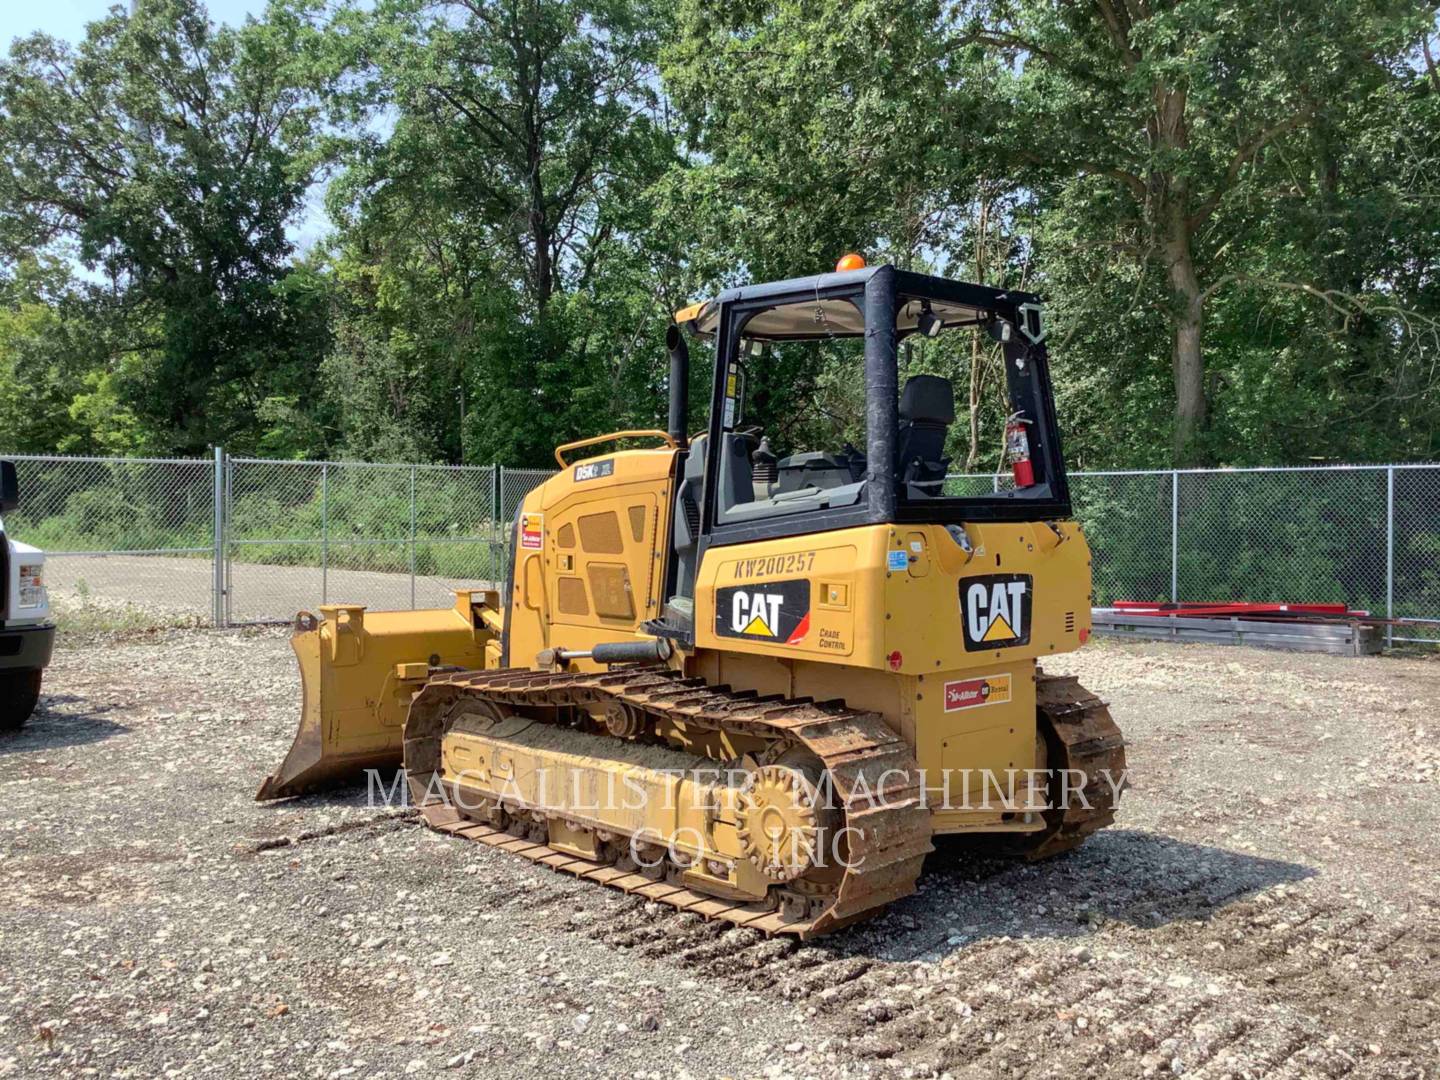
1227	207
494	255
168	156
56	338
1171	132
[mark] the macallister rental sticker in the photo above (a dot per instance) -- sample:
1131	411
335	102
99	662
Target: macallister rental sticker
764	611
995	610
973	693
532	531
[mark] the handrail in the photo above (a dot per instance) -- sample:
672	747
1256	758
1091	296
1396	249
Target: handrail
650	433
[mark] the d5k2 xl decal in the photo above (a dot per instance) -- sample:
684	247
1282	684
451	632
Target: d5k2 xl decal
764	611
995	611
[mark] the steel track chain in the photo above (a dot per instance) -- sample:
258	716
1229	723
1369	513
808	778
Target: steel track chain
1090	741
872	771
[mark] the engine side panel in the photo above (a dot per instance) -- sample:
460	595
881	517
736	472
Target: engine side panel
904	599
590	554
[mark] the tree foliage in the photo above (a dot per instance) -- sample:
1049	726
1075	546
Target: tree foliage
499	287
168	156
1229	208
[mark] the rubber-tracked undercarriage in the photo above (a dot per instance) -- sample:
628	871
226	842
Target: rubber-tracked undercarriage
749	686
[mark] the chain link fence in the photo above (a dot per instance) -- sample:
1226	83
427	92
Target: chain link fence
388	536
513	485
235	540
1365	535
227	540
123	532
1413	553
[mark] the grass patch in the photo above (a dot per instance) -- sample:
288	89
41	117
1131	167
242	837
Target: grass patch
86	618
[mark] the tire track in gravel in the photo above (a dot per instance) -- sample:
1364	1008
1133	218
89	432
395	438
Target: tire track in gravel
379	823
1341	963
996	1004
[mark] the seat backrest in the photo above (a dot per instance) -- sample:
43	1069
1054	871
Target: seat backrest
736	483
928	398
927	409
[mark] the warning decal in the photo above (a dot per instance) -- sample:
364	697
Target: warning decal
977	692
532	531
768	611
995	611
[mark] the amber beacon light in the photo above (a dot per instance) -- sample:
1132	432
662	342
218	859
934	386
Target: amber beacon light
850	261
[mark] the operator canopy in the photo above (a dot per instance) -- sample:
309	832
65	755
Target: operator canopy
825	318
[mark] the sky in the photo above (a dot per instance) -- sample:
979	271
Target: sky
67	18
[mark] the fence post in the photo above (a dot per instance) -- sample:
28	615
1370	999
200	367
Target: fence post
497	550
1174	536
412	537
217	588
325	533
1390	556
229	504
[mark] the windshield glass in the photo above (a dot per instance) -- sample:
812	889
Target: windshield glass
797	440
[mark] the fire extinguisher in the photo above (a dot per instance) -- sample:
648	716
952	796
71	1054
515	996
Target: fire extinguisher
1017	449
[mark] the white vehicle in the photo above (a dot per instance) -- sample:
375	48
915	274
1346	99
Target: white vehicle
27	635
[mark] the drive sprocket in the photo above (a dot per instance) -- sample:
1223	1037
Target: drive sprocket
779	826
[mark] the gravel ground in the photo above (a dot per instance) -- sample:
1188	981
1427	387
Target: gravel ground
1265	906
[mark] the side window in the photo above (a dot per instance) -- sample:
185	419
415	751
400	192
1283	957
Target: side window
796	446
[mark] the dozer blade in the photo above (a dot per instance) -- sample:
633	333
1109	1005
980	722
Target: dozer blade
358	672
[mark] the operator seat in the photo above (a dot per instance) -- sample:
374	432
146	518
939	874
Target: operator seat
927	409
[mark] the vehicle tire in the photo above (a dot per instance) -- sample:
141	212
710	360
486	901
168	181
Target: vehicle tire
19	691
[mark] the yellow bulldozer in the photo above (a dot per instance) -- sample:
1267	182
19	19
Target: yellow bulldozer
748	686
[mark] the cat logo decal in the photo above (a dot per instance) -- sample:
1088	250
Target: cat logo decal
995	610
764	611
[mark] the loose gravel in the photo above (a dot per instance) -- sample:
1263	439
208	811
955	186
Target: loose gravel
1266	904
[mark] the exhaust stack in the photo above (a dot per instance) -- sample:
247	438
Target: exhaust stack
679	383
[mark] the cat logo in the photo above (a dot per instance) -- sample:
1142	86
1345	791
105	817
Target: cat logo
754	618
995	611
764	611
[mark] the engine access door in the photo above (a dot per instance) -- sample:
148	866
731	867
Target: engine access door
602	546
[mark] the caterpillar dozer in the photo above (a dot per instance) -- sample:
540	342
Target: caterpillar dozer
751	687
